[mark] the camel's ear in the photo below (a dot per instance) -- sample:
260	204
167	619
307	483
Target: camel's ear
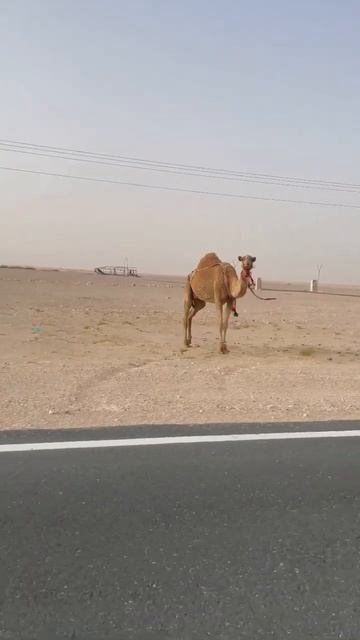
240	258
254	259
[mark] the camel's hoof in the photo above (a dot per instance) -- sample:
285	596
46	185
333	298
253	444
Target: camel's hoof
224	349
187	343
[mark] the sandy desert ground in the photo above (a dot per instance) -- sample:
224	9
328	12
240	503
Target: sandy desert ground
79	349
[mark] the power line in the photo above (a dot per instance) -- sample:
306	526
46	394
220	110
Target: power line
196	168
140	167
180	189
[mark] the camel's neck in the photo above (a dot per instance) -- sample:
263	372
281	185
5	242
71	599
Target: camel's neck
240	286
246	276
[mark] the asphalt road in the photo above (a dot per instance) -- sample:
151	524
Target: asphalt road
252	540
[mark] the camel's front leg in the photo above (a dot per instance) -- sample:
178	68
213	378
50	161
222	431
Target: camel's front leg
228	310
219	308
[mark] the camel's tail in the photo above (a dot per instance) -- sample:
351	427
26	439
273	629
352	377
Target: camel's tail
189	294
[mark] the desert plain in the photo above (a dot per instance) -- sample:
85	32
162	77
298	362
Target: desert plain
78	349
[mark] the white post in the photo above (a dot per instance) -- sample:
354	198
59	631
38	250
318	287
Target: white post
258	284
313	286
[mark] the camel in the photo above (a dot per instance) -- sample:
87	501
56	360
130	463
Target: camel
216	282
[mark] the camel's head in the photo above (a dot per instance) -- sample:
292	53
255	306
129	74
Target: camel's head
247	262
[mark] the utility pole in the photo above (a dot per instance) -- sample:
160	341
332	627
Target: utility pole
318	268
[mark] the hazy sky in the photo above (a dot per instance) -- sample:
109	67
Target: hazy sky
260	86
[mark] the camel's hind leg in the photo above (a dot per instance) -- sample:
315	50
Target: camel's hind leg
188	304
192	306
187	309
197	305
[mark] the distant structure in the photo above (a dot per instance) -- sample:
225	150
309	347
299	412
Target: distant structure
123	270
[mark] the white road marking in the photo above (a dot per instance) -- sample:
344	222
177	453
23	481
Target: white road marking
141	442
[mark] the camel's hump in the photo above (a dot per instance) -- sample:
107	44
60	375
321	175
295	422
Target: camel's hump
209	260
